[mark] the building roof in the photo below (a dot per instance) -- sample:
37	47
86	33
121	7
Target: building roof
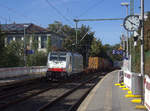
19	28
29	28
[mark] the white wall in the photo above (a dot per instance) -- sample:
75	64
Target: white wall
19	71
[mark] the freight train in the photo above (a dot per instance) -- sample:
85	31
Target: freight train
63	64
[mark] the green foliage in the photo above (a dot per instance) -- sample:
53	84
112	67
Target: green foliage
13	55
56	27
39	58
96	48
147	45
34	45
2	48
2	41
136	57
49	45
136	50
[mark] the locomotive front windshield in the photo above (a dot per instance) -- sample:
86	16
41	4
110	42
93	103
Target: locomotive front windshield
58	57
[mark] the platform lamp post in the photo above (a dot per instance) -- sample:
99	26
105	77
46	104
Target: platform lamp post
126	4
25	58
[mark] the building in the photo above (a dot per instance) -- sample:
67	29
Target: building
17	32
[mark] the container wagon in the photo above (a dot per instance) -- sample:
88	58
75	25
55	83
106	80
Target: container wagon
99	64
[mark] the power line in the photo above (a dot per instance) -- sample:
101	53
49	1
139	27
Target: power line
65	18
14	11
67	10
91	7
4	18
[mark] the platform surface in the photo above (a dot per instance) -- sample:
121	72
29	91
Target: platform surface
108	97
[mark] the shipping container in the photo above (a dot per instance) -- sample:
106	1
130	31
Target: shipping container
99	64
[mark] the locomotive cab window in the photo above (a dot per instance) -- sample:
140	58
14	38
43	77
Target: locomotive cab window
53	58
62	58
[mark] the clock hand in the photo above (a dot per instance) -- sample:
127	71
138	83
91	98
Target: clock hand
132	23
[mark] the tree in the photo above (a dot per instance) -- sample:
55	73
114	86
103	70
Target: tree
56	27
49	45
39	58
2	41
2	48
96	48
13	54
34	45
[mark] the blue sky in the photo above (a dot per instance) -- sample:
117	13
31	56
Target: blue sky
41	13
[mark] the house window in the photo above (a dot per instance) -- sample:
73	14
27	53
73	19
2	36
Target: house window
9	39
43	41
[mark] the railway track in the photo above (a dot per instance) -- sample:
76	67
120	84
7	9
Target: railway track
19	96
46	93
18	84
74	96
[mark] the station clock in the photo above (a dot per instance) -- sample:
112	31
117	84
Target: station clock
131	23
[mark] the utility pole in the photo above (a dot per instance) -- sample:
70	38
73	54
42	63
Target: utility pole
76	32
131	7
130	48
25	58
24	48
142	49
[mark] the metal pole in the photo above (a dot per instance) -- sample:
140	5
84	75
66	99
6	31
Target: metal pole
130	53
142	49
24	48
127	37
76	32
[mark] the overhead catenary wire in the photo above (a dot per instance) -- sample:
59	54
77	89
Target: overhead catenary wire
3	18
67	10
65	18
14	11
91	7
103	19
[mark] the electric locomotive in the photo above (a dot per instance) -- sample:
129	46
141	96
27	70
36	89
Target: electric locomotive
63	64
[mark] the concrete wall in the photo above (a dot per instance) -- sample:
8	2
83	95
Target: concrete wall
19	71
133	82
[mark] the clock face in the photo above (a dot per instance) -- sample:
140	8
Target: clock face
132	23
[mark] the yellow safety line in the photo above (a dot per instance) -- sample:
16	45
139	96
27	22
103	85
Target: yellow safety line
129	92
136	100
132	96
117	84
125	89
122	86
122	83
140	107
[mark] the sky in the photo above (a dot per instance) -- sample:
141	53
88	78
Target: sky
44	12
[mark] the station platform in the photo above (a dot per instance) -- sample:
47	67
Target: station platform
106	96
19	78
